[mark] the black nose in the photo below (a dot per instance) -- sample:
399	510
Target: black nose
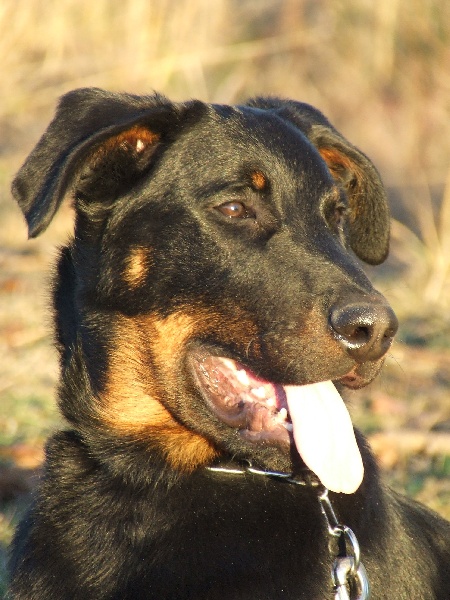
365	329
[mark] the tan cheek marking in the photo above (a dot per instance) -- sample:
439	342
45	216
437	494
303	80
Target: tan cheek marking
144	366
259	180
178	327
184	450
171	336
130	404
137	266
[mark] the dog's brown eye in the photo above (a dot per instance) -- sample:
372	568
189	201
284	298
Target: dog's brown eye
235	210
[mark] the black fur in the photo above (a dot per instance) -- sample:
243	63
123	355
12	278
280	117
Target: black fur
157	273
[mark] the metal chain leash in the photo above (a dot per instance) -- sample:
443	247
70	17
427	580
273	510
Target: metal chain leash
348	575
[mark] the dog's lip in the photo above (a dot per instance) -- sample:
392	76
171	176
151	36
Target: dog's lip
242	400
354	379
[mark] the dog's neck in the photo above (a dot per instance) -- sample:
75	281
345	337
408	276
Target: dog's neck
348	575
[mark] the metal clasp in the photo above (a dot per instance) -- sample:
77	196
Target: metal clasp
348	574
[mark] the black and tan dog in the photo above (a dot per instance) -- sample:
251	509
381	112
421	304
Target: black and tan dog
207	302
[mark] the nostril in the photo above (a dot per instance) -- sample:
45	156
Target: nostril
359	336
366	330
353	323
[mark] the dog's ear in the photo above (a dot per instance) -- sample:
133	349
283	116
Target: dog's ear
369	212
369	221
97	144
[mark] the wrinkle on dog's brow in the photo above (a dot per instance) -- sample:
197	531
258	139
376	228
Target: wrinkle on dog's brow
137	265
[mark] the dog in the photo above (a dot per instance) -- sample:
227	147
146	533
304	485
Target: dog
207	311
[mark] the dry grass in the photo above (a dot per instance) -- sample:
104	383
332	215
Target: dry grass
378	70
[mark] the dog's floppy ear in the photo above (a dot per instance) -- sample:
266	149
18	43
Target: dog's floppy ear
369	225
91	127
369	212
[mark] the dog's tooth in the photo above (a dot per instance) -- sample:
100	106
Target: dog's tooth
260	392
288	426
282	414
229	364
242	377
229	401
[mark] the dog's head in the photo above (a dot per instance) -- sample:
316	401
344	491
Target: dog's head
211	272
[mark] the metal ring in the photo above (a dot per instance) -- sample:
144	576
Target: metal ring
355	551
343	577
363	580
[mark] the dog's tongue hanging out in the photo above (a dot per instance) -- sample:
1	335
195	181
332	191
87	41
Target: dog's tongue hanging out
321	426
324	436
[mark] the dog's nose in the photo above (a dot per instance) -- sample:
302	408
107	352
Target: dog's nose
365	329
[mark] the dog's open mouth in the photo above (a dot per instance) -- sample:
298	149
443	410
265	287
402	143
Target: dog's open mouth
256	407
313	417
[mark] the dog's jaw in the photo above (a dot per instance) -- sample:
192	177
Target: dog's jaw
238	398
312	418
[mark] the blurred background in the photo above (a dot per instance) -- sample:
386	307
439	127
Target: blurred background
379	71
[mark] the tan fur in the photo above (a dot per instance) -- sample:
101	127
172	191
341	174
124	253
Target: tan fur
137	266
259	180
131	403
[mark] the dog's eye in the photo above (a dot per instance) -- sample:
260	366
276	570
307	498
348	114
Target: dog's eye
236	210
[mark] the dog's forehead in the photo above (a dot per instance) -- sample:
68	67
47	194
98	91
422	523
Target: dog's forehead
223	146
239	131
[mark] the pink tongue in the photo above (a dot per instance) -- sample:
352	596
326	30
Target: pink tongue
324	436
